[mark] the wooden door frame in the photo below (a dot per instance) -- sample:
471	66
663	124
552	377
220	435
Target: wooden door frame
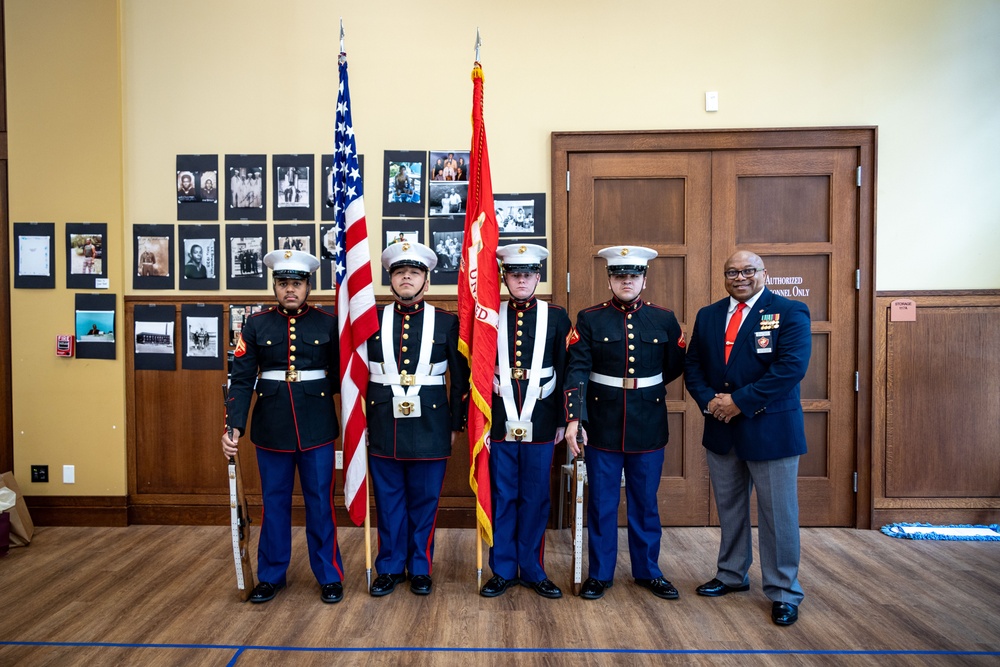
862	139
6	404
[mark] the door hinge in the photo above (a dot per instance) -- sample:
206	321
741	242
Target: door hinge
567	282
859	176
567	180
855	482
857	381
857	279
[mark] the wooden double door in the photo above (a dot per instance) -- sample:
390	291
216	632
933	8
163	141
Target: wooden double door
797	207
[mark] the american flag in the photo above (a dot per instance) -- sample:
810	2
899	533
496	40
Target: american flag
355	301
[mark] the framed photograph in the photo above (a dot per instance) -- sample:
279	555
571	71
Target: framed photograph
153	250
447	198
197	187
246	246
34	255
540	241
86	255
296	237
449	166
293	187
397	231
404	183
95	326
199	247
246	187
238	315
154	337
446	241
520	214
327	256
327	163
200	327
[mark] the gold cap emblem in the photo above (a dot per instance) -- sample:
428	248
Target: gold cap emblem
406	246
288	254
624	251
523	249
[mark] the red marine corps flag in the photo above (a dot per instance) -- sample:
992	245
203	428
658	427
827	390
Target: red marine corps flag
478	306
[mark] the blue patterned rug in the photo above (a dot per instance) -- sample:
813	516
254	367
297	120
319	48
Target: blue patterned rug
960	533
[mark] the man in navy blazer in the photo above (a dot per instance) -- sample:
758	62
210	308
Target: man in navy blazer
747	355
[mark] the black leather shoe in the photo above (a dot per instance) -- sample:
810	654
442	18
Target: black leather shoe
497	586
545	588
385	584
265	592
331	593
783	613
420	584
593	589
660	587
716	589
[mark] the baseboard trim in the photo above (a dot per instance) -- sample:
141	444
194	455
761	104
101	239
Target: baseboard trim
94	511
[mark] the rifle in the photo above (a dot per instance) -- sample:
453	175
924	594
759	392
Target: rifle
239	517
578	477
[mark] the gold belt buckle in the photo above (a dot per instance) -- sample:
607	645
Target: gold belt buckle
519	433
291	376
629	383
517	373
407	380
406	407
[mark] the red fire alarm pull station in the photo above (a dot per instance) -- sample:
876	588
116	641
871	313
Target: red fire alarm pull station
65	346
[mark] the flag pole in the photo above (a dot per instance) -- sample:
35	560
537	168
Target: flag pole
342	34
479	536
368	531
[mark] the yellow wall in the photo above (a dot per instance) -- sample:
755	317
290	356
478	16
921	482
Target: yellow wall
259	76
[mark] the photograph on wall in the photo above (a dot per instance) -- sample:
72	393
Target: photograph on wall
246	246
95	326
326	166
201	325
446	242
154	337
296	237
327	256
404	183
449	166
34	255
200	261
520	214
293	187
197	187
397	231
539	241
86	255
153	250
445	198
246	187
238	315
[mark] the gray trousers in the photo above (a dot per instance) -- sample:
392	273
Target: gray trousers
777	517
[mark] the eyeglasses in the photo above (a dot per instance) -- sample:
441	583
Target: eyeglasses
731	274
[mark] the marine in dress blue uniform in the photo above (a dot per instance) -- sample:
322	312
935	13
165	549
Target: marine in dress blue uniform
288	356
527	421
625	351
747	357
412	418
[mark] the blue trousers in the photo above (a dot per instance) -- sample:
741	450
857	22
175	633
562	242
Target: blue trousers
406	503
642	481
519	474
277	478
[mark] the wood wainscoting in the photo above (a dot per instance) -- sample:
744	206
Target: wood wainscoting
936	400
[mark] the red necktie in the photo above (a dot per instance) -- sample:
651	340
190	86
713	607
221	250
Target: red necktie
733	328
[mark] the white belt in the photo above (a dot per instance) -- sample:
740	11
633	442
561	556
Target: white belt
292	376
627	383
525	373
404	379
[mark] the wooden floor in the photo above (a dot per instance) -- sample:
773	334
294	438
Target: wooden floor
165	595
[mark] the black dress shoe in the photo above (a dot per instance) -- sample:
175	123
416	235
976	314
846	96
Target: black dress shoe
545	588
333	592
496	586
660	587
715	589
265	592
420	584
783	613
385	584
593	589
